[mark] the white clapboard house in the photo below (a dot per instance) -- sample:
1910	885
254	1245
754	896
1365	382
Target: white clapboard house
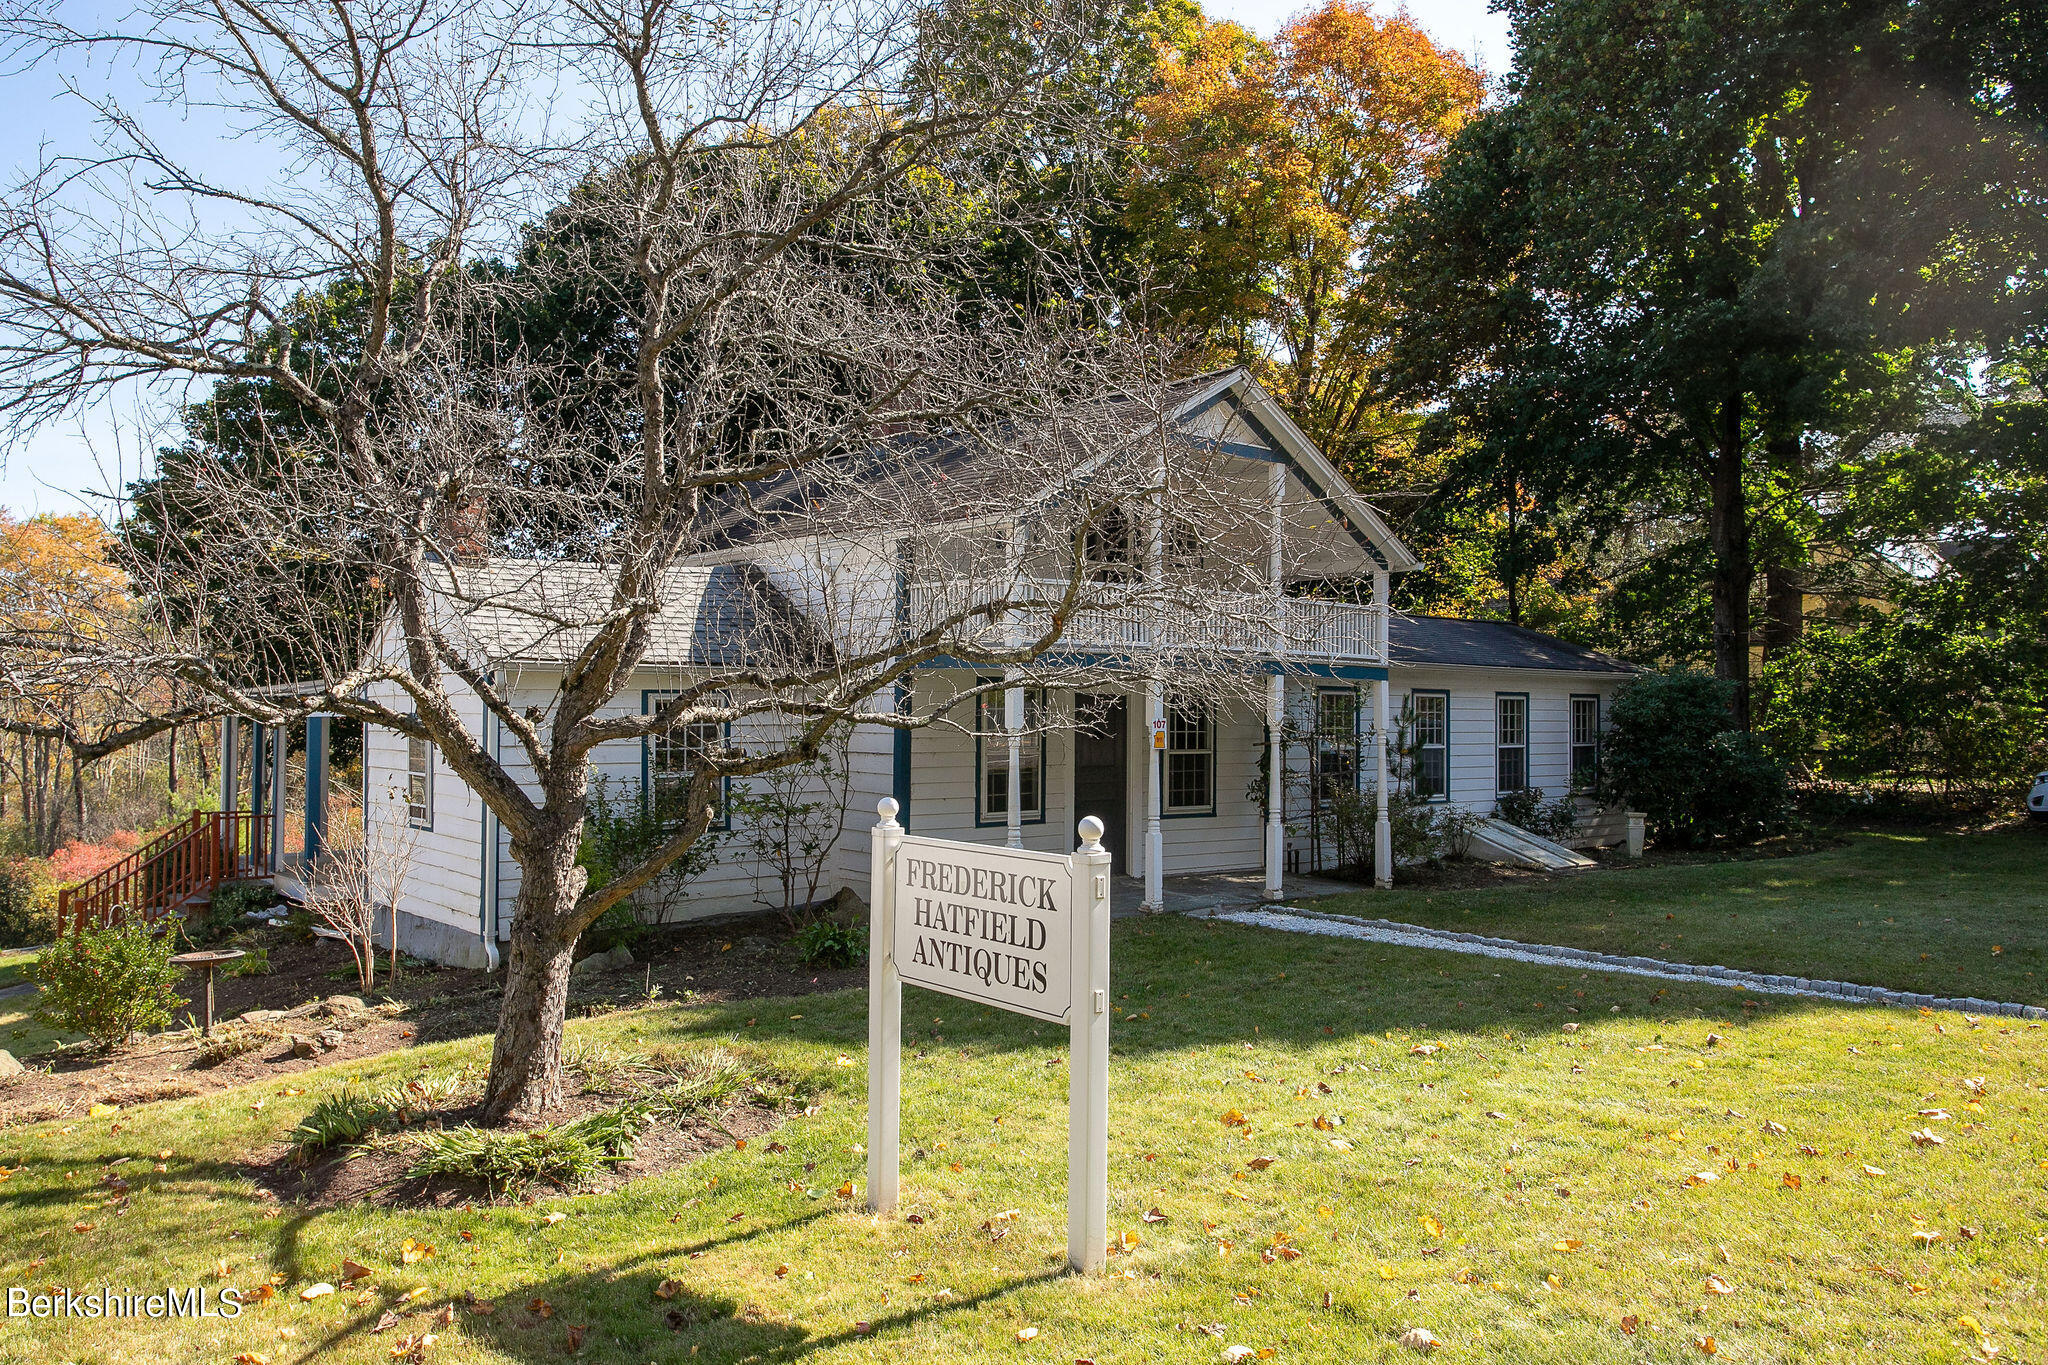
1487	709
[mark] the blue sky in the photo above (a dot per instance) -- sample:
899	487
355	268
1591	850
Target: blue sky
100	449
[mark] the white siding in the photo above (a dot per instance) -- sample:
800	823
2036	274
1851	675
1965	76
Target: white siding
1473	776
442	882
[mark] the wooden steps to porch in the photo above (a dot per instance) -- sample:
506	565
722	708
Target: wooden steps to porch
178	868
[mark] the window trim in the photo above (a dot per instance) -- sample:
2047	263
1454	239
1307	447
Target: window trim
1443	797
1161	757
1572	745
1001	819
425	821
647	742
1499	747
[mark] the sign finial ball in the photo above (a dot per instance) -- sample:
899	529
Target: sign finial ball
887	808
1091	831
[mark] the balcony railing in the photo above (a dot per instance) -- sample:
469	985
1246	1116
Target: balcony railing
1119	619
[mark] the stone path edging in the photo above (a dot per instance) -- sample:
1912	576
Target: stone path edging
1293	919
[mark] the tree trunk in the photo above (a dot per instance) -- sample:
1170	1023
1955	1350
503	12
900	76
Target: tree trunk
1784	609
1734	574
526	1058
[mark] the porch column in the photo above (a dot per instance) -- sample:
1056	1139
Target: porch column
1013	702
230	730
1013	803
1155	841
1276	689
316	787
275	772
1155	692
1382	722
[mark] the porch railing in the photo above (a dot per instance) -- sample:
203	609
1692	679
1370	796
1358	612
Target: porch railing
187	860
1108	619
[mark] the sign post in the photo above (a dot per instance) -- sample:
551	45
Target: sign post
1025	932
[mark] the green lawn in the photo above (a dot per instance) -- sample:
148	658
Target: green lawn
11	964
1527	1194
1942	914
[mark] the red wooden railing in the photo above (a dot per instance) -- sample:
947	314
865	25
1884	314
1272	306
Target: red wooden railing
189	859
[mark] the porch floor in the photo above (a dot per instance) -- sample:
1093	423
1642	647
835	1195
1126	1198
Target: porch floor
1217	891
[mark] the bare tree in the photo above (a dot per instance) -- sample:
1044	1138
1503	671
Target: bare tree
361	885
772	230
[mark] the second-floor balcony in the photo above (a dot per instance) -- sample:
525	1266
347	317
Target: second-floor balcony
1127	619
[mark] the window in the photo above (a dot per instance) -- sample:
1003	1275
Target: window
1106	548
992	741
419	783
1511	740
1430	730
669	759
1190	760
1585	738
1337	740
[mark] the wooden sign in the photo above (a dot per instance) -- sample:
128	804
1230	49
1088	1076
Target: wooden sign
1025	932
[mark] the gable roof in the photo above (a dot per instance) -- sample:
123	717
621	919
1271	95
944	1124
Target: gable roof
1447	642
959	472
545	611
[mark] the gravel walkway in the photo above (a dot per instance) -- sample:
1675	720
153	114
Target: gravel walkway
1294	920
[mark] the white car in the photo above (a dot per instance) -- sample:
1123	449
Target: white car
2037	799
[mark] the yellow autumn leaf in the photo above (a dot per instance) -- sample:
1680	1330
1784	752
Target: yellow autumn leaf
1432	1225
1569	1244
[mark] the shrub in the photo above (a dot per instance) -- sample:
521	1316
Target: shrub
828	943
622	828
76	859
226	910
1556	818
1672	754
106	983
28	903
256	962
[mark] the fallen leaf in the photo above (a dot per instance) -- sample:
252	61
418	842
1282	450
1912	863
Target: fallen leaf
1707	1346
576	1338
1868	1169
552	1217
1791	1181
1260	1163
1419	1339
252	1358
411	1253
540	1308
387	1322
668	1289
1926	1137
1432	1225
1154	1216
351	1271
1717	1285
316	1291
1569	1244
1630	1323
1026	1333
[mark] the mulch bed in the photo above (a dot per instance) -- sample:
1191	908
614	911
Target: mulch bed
695	964
378	1177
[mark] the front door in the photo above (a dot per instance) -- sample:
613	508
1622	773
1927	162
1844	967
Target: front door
1099	768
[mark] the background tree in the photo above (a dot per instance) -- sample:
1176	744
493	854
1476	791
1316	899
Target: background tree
1267	174
1658	286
